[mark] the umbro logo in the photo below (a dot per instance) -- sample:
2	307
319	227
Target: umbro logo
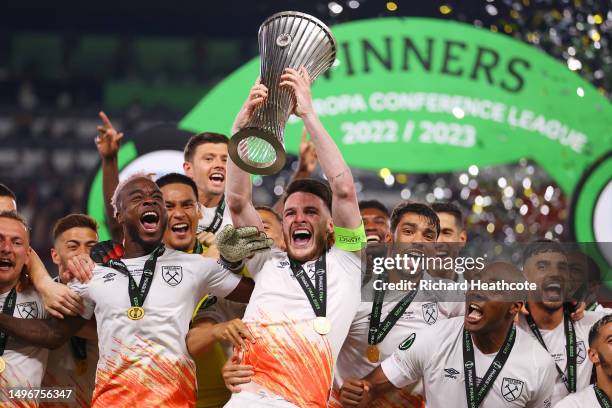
109	277
451	373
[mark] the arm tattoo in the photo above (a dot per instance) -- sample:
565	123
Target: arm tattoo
337	176
46	333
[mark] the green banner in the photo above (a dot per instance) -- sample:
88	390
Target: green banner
426	95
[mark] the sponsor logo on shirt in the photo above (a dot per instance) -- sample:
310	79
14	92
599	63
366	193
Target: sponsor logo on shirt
406	344
451	373
173	275
580	352
511	388
109	277
28	310
430	313
283	264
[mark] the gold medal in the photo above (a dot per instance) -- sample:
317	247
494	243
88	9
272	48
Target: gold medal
373	353
81	367
2	365
135	313
322	325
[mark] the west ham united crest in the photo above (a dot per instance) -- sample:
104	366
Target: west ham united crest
173	275
430	312
28	310
580	352
511	388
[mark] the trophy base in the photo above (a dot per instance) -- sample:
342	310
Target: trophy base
257	151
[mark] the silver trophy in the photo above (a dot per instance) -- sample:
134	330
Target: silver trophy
288	39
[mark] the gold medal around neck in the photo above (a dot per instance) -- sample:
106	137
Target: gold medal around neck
322	325
135	313
2	365
81	367
373	353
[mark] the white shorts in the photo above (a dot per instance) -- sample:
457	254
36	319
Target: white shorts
245	399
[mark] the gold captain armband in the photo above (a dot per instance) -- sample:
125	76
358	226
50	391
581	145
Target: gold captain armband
350	239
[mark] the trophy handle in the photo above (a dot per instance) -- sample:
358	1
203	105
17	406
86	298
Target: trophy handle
238	149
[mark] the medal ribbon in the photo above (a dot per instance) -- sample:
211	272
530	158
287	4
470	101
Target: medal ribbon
317	295
8	308
570	348
218	219
475	394
602	398
378	331
139	293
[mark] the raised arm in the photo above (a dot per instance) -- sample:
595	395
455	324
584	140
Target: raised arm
46	333
345	210
108	142
239	190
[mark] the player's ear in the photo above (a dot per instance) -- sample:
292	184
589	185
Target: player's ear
515	308
55	256
188	169
462	238
593	356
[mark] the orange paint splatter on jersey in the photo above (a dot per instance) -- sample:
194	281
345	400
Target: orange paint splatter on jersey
138	375
5	396
290	364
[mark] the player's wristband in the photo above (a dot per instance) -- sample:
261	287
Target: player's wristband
350	239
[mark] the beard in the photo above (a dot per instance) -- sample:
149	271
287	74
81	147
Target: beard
320	246
606	366
147	245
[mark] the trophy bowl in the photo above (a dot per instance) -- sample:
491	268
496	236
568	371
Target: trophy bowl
288	39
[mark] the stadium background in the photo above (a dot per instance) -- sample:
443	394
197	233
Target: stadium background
145	62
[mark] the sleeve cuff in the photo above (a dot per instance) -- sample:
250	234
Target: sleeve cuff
394	373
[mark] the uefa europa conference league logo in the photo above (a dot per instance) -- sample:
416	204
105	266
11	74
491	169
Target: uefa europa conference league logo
440	93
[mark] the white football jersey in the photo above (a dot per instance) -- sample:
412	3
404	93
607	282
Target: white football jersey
146	361
353	361
25	364
581	399
292	362
208	215
555	343
436	355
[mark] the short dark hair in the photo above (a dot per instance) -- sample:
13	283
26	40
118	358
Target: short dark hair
450	208
200	139
14	215
311	186
595	329
416	208
539	246
270	210
7	192
374	204
74	221
177	178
